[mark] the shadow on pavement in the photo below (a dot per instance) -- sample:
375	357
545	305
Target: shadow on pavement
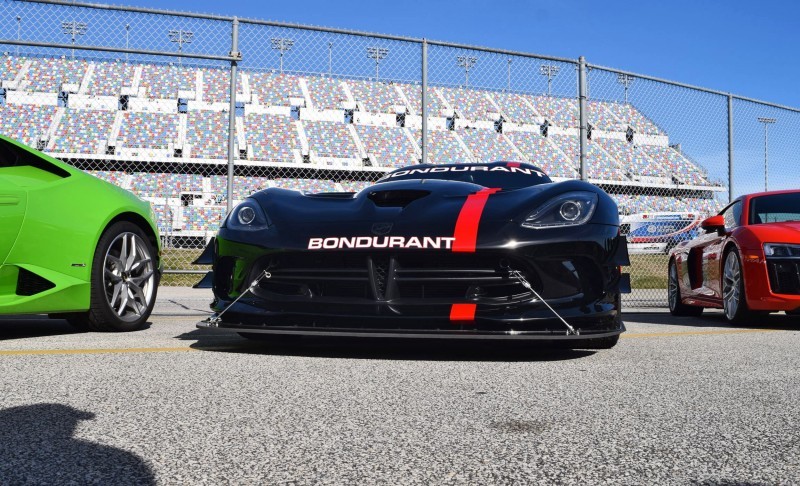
383	348
37	447
20	327
716	319
33	326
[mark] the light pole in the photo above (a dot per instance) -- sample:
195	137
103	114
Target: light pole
551	71
767	122
282	45
127	43
509	75
466	62
625	80
377	53
73	29
181	37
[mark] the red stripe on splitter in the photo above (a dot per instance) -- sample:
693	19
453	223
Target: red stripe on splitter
513	164
466	233
463	312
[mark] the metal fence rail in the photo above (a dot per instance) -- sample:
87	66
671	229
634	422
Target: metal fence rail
194	112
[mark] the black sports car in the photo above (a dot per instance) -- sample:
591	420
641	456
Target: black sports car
493	250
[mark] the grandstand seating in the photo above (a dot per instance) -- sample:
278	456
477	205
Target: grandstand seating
47	74
164	81
354	186
469	103
628	113
165	216
83	131
443	147
601	117
217	85
707	207
390	144
202	218
118	178
26	123
328	139
326	93
242	186
413	92
515	107
488	145
273	138
562	112
632	158
641	203
10	66
147	130
110	77
151	184
543	154
676	164
306	185
375	97
207	133
599	164
274	89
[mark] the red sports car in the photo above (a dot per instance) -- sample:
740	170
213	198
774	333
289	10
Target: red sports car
747	261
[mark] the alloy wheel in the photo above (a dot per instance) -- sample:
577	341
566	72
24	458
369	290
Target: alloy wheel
731	284
128	276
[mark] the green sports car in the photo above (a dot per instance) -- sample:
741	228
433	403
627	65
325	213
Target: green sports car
73	246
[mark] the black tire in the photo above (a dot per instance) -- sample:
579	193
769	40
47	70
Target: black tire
101	315
734	301
676	307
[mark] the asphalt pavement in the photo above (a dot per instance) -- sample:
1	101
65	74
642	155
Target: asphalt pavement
677	401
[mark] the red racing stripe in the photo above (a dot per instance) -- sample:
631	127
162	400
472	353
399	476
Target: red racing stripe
513	164
466	233
463	312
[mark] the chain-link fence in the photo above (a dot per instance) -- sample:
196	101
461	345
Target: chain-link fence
144	99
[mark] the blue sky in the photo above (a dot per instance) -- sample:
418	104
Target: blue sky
748	48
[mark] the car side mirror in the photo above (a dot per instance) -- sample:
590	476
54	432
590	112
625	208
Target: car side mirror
714	223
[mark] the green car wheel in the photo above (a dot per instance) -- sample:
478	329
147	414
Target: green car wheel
104	271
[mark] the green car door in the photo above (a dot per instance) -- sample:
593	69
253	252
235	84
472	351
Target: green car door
12	213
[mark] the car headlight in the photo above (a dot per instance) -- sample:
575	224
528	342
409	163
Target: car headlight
781	250
568	209
248	216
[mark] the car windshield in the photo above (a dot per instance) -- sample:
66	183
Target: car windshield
484	175
775	208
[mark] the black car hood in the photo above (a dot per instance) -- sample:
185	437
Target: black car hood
405	201
409	208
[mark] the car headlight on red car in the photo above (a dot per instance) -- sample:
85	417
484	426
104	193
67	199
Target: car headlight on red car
568	209
781	250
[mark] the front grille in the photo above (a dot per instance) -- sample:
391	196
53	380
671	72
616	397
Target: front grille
28	283
395	277
784	276
380	274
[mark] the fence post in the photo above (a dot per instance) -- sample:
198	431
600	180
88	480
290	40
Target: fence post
730	147
424	140
582	113
232	110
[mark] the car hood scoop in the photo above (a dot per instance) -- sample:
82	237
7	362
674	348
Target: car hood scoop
397	198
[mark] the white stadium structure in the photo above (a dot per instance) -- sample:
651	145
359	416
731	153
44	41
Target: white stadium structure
160	130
